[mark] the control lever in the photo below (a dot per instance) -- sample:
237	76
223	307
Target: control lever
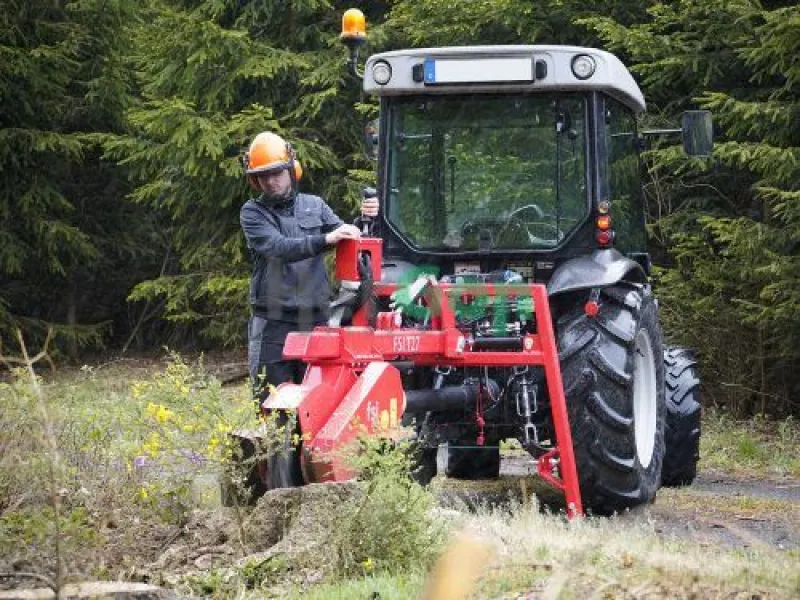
363	221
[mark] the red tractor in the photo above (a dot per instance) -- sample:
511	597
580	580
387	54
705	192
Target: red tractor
504	291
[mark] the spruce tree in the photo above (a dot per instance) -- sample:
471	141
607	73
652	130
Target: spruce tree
733	286
213	74
64	224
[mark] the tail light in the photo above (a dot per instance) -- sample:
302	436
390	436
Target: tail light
604	234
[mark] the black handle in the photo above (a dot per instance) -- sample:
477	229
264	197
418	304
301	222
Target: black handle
366	222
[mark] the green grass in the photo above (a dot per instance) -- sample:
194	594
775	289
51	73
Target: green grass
117	518
751	448
378	587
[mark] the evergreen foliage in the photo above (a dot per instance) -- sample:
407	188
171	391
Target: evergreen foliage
123	125
730	224
212	74
65	229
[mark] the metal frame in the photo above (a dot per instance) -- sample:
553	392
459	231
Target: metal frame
343	359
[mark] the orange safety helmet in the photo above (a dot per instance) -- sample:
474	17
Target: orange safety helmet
270	152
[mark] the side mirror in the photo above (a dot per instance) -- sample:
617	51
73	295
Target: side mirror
371	134
698	133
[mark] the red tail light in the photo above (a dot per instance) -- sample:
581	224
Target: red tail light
604	238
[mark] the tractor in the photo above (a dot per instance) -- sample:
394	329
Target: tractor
504	291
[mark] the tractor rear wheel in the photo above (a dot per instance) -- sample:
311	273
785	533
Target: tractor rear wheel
683	418
473	463
613	375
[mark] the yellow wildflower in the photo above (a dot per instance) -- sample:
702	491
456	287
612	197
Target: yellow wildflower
153	445
163	414
138	389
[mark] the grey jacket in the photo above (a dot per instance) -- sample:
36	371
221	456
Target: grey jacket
286	243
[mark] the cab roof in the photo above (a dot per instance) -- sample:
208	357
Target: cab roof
500	69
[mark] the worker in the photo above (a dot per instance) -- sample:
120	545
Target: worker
287	233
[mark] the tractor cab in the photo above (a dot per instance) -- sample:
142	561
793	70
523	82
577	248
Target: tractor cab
506	158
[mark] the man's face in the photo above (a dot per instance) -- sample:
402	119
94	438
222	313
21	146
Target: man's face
276	183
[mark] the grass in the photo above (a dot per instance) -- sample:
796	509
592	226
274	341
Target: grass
539	555
753	448
579	559
130	446
135	442
378	587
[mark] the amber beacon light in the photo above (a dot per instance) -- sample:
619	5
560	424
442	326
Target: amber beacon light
354	34
354	26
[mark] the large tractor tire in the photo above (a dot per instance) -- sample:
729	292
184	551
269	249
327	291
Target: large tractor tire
683	418
613	373
473	463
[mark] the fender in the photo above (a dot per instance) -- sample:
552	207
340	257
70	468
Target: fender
601	268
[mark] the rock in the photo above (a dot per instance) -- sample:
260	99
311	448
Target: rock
106	590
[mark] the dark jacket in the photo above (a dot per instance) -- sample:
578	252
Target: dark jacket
286	243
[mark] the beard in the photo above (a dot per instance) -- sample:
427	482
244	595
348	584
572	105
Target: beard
279	197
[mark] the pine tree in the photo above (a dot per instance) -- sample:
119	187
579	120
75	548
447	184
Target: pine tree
732	229
212	74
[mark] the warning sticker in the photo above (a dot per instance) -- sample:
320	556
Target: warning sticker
466	268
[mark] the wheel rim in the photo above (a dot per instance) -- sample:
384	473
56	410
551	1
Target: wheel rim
644	398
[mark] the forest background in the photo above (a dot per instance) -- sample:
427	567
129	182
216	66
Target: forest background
123	124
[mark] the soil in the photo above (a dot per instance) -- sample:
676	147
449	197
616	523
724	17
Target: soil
717	508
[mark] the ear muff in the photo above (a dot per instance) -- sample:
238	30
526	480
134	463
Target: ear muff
294	165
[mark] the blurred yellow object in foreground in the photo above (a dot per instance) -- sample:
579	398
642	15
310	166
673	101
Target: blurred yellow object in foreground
457	571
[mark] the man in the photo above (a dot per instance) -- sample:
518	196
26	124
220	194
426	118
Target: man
287	234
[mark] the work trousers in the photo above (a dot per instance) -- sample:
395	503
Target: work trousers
266	338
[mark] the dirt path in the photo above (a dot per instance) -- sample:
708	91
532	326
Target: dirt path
735	512
717	509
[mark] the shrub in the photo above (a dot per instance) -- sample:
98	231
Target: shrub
391	528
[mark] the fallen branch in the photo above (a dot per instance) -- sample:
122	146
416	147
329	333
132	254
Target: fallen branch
26	575
26	360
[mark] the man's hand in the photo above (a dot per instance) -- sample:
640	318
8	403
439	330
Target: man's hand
343	232
369	207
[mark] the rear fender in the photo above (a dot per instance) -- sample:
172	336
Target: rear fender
599	269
